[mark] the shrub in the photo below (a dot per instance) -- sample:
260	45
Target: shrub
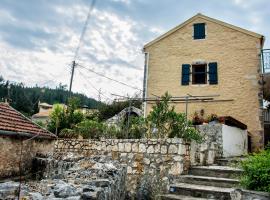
164	122
256	174
113	132
90	129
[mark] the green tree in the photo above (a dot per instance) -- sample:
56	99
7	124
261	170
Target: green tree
62	117
159	118
164	122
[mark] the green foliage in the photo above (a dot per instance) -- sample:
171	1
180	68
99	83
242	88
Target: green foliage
181	128
164	122
113	132
159	118
25	99
41	124
256	174
90	129
62	117
137	128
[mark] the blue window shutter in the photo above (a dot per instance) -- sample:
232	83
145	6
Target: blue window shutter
213	73
185	74
199	31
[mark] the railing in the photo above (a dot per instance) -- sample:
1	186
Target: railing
265	56
266	116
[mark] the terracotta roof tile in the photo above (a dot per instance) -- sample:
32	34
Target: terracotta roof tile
13	121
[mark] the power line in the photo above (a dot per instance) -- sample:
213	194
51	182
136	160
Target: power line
91	7
99	92
102	75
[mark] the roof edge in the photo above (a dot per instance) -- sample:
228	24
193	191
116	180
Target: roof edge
23	134
199	15
52	135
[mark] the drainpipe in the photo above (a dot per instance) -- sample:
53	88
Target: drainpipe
145	80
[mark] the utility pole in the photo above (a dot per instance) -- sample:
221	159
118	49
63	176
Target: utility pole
71	78
99	95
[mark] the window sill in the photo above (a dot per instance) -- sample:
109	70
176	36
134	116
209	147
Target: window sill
200	85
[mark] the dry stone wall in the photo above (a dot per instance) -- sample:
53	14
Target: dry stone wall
167	157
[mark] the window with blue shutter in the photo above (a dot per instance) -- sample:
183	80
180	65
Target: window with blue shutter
213	73
185	74
199	31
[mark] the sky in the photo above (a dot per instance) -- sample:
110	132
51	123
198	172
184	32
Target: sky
38	38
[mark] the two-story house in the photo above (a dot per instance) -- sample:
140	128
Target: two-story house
207	57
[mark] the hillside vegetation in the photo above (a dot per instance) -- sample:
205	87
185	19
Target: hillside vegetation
25	99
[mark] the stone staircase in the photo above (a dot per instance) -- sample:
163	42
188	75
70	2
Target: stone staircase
205	182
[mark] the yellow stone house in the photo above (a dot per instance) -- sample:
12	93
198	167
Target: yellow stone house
214	63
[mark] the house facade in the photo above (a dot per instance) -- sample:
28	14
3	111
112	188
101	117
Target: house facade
207	57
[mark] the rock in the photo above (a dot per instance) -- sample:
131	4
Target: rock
64	190
163	149
74	198
8	189
142	148
177	158
176	169
157	148
35	196
135	147
89	196
182	149
129	170
172	149
128	147
146	161
150	149
121	147
176	141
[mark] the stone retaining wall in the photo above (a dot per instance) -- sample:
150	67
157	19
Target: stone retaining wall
167	157
11	148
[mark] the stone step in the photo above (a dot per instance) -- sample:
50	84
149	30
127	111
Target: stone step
215	171
201	191
179	197
209	181
231	161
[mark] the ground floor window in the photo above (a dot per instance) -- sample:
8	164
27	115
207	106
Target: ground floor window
199	74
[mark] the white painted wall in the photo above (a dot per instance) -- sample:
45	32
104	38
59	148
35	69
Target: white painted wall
234	141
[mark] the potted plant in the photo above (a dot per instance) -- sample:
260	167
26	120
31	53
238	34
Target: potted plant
213	119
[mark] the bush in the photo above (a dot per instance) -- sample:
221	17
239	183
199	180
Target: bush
164	122
90	129
256	174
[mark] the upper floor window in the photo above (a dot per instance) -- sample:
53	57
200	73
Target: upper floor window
199	31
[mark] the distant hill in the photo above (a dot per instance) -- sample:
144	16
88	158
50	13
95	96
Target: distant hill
25	99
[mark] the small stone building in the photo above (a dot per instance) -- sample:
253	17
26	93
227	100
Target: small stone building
207	57
20	141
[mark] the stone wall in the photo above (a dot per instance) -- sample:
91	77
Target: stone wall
211	147
10	151
72	178
168	157
219	141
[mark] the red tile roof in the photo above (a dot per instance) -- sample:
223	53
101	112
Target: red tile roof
12	121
